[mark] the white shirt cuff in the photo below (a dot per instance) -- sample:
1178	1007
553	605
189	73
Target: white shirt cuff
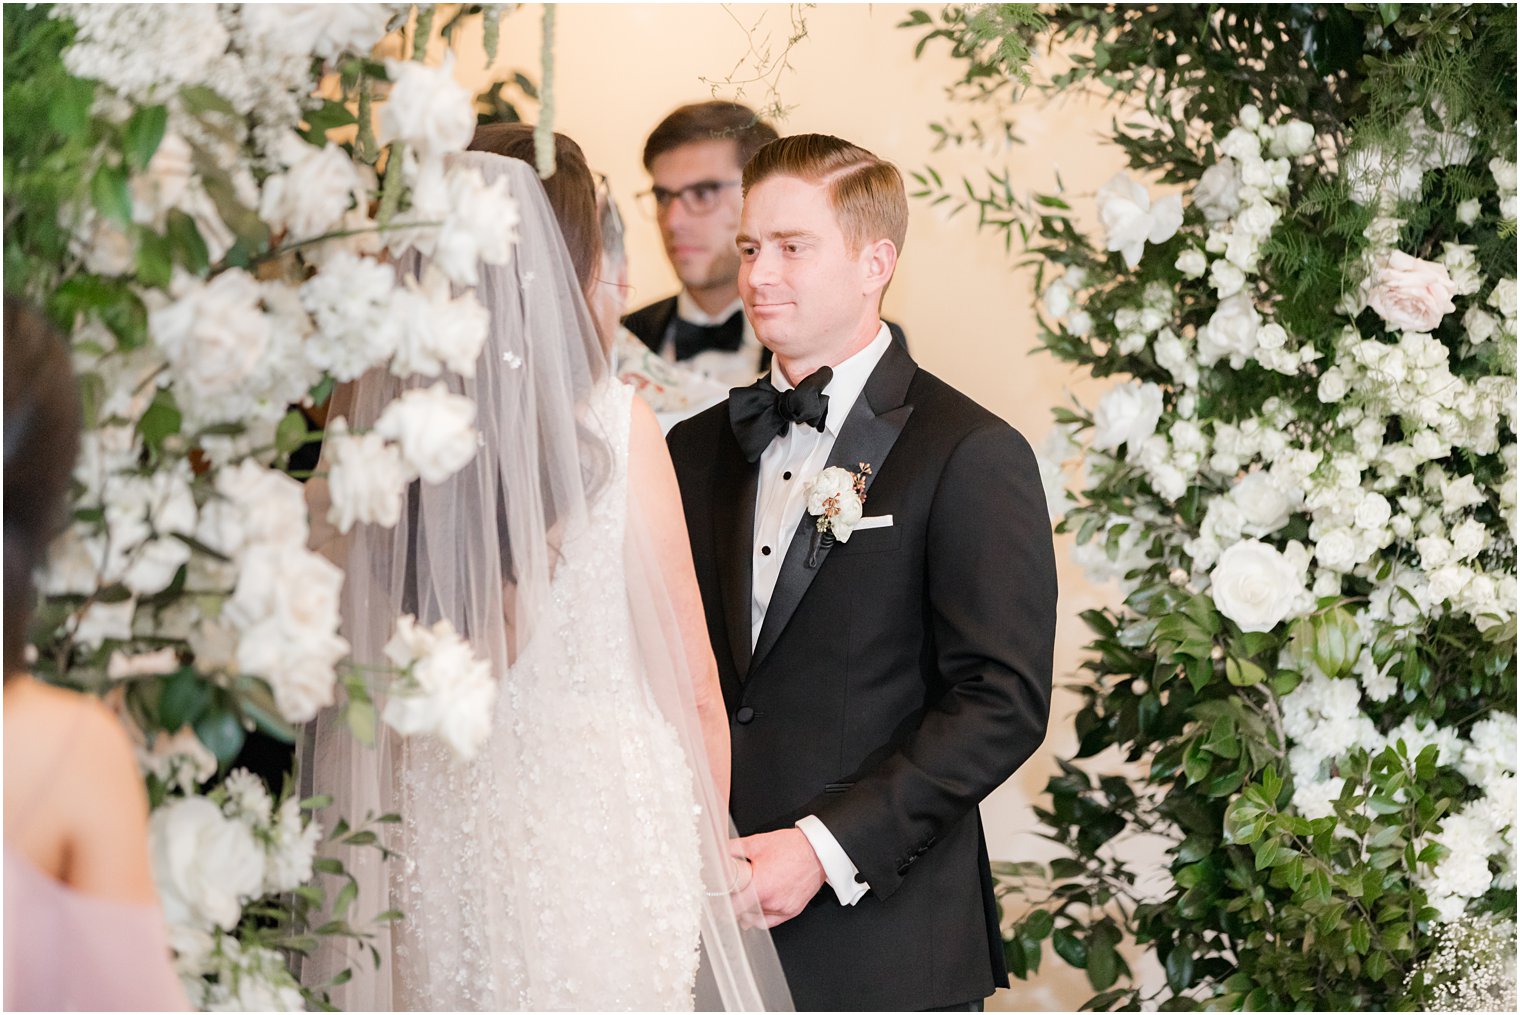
838	869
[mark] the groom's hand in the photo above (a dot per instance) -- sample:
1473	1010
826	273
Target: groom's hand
787	872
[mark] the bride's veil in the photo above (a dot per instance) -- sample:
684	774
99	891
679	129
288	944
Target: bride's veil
481	549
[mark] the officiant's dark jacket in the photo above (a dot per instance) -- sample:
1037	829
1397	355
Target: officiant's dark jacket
649	324
893	686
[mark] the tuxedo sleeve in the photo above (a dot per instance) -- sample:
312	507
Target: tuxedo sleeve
990	607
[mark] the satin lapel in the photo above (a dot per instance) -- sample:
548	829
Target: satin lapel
735	520
868	434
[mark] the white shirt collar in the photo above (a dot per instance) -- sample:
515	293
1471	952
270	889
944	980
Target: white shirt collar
848	382
687	310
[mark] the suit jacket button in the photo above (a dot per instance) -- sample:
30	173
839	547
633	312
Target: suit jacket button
744	715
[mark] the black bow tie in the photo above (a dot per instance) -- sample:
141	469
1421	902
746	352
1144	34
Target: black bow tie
694	338
759	413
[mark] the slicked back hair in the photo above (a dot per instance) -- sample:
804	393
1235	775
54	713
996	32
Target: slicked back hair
866	192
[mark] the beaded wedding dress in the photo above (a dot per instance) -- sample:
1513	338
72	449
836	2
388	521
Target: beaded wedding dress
579	861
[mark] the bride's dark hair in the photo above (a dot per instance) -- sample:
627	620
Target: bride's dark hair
571	190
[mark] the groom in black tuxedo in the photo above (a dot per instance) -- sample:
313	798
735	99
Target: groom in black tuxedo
882	678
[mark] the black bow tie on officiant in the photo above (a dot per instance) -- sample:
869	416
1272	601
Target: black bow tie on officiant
694	338
759	413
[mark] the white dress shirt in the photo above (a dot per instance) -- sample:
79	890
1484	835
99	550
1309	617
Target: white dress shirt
731	369
786	466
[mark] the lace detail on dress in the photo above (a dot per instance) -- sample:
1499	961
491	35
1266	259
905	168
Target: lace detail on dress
561	868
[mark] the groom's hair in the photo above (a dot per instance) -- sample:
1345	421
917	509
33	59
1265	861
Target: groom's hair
866	192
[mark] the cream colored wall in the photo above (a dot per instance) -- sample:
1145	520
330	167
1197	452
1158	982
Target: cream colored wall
620	68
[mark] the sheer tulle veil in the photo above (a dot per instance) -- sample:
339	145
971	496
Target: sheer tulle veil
481	549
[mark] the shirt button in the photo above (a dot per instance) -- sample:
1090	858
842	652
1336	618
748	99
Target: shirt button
765	550
744	715
786	475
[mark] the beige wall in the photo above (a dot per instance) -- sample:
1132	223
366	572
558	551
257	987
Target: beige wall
621	68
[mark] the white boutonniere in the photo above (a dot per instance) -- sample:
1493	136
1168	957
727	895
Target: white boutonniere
836	497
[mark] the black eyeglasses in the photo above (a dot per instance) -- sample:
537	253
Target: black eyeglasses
698	198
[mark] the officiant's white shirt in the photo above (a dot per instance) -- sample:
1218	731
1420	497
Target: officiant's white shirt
786	467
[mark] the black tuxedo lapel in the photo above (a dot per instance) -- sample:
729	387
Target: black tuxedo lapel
734	516
868	434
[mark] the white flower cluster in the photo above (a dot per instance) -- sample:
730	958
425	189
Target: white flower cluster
443	690
1380	177
1472	967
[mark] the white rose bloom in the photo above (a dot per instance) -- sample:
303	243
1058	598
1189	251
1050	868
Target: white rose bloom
1174	356
1372	512
1264	506
1332	385
434	429
272	505
1337	551
833	490
447	691
1504	174
1130	220
1250	117
1468	538
1292	139
179	760
1128	414
216	337
437	331
1316	798
1428	445
1256	177
1502	298
292	849
1468	211
326	30
204	864
1232	332
1480	324
1192	263
427	110
101	622
1241	144
1258	218
1057	299
1462	264
1080	323
1217	192
481	226
1459	493
366	478
129	666
161	186
1371	172
311	196
1508	206
1445	583
1241	250
1411	294
1226	278
352	301
1254	585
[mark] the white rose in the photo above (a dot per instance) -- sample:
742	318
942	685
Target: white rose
1080	323
1411	294
1231	332
1241	144
1226	278
437	331
161	186
1337	551
272	505
1508	206
434	430
1373	511
1371	171
1459	493
1057	299
1192	263
1292	139
1264	507
1468	211
1254	585
1257	219
366	479
447	692
1250	117
178	760
1129	219
1217	192
101	622
292	849
1462	264
481	226
216	337
427	110
832	494
1504	174
1447	582
313	194
204	864
1502	298
1128	414
353	303
326	30
1480	324
1468	538
125	666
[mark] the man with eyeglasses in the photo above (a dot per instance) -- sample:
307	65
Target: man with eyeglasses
695	159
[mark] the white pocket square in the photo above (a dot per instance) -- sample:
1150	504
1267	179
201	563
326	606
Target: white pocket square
874	522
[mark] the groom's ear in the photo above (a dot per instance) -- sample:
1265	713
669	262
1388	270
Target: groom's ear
879	260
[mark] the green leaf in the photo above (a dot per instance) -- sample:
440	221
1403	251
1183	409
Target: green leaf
145	130
1039	924
361	721
161	419
1243	672
222	734
1070	948
1242	822
1102	958
109	194
155	259
183	699
200	99
1179	968
185	241
69	107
